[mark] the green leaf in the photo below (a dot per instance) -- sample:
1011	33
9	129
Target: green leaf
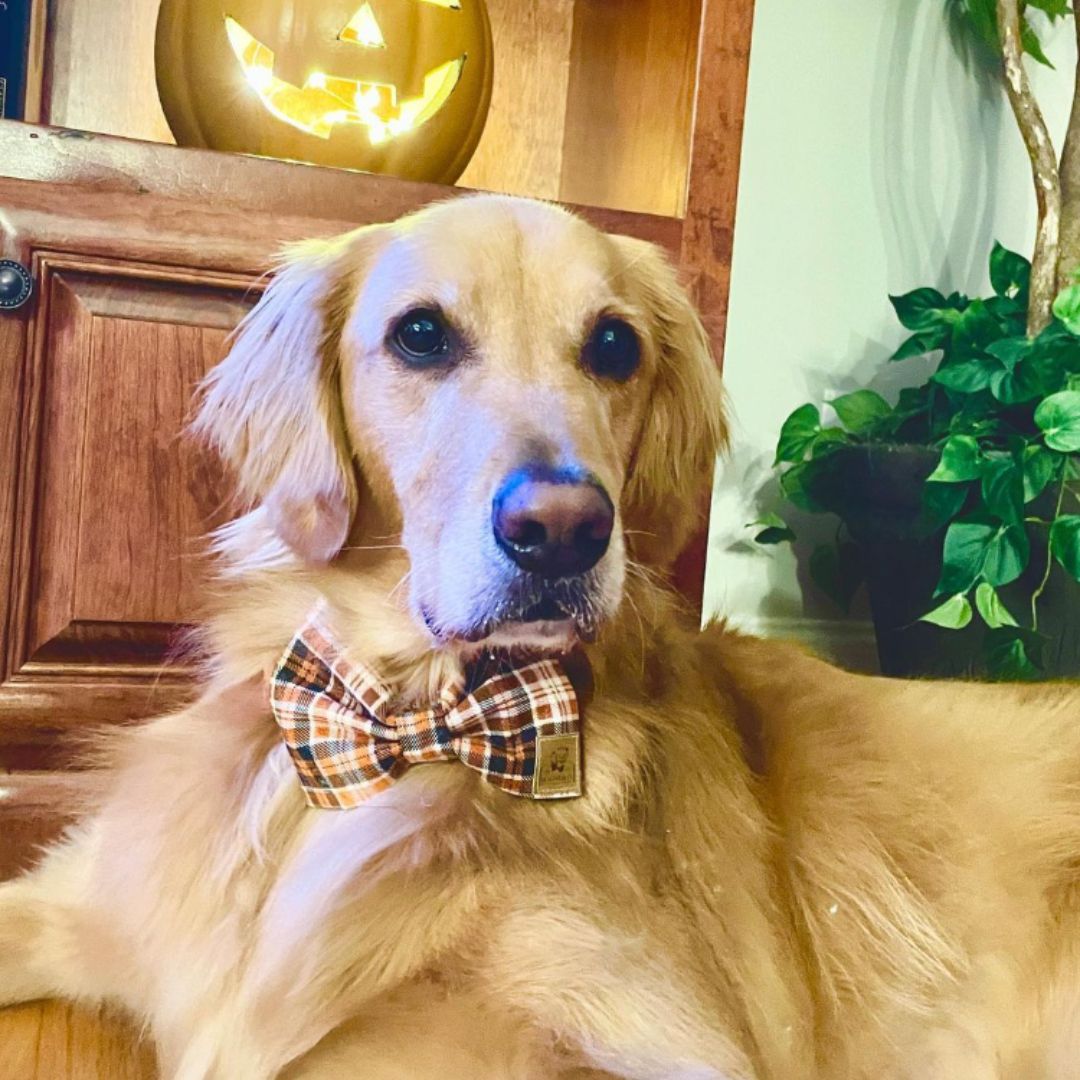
1032	46
1011	313
961	460
774	530
995	614
1010	351
1007	555
1024	383
798	434
921	309
1038	468
982	16
1065	542
977	548
973	329
1009	653
858	411
795	484
1010	273
967	378
770	520
954	614
921	343
976	415
1059	418
1054	9
774	536
1067	308
837	570
827	440
1003	490
940	504
1057	349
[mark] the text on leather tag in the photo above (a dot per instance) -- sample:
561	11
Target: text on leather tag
558	767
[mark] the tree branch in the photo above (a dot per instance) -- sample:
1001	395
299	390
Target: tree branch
1069	258
1044	168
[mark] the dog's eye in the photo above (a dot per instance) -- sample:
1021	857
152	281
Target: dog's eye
421	335
613	351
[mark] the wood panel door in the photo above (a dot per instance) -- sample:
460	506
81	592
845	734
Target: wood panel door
112	500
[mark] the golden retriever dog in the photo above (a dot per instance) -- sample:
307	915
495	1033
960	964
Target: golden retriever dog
476	436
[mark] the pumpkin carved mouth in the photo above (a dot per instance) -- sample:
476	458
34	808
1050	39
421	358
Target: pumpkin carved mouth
325	101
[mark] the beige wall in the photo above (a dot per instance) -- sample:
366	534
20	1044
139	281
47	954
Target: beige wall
873	162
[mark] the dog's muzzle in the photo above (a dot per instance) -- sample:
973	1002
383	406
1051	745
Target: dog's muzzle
553	523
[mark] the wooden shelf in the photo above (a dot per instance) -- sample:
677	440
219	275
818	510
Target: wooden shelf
592	101
116	169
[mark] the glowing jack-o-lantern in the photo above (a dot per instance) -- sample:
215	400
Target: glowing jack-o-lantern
394	86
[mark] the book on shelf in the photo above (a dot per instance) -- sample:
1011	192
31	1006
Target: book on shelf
14	55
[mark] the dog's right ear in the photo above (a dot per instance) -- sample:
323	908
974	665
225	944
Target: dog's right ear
272	408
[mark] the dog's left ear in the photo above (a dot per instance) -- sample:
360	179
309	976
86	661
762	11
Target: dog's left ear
272	408
684	427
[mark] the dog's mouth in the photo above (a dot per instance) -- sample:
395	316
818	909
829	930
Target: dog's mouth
544	627
537	616
549	610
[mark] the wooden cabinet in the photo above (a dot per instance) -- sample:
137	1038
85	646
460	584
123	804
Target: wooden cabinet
144	256
110	500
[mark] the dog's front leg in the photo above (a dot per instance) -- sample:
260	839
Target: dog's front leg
332	936
621	996
33	959
52	943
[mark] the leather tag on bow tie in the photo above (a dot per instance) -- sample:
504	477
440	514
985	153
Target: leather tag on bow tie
558	767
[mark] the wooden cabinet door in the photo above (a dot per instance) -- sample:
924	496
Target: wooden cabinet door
112	500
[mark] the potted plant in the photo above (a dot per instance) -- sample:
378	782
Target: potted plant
960	504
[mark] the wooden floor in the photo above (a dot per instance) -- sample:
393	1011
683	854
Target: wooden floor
52	1040
55	1041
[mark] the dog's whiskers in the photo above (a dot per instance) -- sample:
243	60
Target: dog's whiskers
629	598
645	573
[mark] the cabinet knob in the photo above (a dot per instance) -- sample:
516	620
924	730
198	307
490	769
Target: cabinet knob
16	284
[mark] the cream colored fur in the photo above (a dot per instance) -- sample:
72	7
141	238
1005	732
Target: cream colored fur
779	870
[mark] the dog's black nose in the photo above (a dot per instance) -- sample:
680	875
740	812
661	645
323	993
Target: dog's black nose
552	522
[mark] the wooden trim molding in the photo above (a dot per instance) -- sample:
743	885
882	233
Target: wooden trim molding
716	150
104	166
711	195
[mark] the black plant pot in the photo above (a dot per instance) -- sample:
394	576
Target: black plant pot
877	491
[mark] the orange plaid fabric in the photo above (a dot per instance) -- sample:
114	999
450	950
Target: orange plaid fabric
348	743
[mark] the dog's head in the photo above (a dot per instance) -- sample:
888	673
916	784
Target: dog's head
527	403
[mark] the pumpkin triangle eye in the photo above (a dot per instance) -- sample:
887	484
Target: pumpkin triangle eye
455	4
363	29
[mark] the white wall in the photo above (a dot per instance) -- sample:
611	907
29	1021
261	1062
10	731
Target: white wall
874	161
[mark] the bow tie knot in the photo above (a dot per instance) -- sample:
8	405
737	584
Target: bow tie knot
519	729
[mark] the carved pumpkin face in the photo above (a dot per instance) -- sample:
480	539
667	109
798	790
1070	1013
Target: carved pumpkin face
396	86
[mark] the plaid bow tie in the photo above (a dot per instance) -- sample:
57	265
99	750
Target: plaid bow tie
519	730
